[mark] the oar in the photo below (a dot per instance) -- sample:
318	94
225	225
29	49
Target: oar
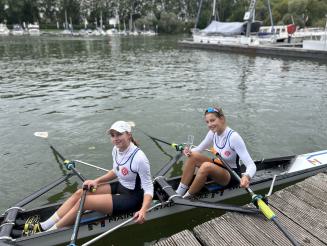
78	218
264	208
70	165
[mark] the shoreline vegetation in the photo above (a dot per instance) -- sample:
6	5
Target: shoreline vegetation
162	16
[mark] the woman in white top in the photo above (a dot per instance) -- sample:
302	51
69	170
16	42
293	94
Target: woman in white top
134	191
231	149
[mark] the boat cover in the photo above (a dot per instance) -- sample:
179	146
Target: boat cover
224	28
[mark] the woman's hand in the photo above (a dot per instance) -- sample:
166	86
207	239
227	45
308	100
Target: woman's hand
187	151
139	216
90	184
245	181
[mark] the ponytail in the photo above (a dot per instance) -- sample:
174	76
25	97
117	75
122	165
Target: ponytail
136	143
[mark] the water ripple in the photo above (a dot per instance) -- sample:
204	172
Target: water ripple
75	89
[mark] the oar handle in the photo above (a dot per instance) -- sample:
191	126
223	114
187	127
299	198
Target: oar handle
91	189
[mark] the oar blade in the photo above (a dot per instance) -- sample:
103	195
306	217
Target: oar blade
41	134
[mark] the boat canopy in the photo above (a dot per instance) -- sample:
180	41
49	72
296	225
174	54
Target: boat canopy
224	28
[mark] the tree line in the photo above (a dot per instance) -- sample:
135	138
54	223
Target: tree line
168	16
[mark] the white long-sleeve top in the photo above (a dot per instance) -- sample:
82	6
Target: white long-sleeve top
128	164
229	145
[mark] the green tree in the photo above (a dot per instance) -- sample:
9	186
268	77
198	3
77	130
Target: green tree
147	22
169	23
72	8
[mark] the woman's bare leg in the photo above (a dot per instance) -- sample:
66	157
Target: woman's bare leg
217	173
195	160
101	203
71	201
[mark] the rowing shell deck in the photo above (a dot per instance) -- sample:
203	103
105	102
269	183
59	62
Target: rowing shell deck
301	208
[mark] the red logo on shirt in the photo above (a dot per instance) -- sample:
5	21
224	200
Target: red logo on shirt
124	171
227	153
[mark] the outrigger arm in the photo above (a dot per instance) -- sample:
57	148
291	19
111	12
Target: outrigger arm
11	213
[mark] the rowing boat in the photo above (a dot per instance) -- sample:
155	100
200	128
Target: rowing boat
282	169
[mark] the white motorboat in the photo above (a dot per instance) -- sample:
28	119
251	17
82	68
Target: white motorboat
316	44
33	29
17	30
4	31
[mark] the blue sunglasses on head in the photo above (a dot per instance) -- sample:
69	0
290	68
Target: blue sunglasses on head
212	110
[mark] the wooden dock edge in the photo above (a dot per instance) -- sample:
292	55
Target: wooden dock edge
301	208
265	50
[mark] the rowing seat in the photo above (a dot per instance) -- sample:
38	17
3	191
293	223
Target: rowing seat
214	187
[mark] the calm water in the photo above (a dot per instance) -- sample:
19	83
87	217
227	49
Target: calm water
75	89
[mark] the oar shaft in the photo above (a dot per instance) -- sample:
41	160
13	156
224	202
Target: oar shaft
236	176
285	231
154	138
78	219
77	173
91	165
57	153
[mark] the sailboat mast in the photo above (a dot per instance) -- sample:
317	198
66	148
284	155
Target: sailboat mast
101	20
270	14
71	23
213	10
249	16
66	21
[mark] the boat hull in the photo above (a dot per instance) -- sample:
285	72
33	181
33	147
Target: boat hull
94	223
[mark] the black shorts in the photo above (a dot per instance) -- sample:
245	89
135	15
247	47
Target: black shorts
233	182
125	200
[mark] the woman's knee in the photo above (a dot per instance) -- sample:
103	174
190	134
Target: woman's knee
195	159
195	155
205	168
78	193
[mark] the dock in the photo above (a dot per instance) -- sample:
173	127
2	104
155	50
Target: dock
287	50
301	208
